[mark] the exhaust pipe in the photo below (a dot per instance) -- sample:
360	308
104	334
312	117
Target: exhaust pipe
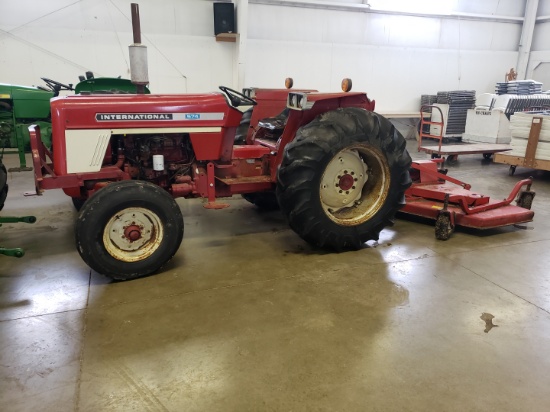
138	54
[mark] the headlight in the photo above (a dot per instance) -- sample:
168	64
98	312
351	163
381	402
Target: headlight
298	101
249	92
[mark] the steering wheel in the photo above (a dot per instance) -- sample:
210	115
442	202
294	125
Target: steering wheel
237	98
56	86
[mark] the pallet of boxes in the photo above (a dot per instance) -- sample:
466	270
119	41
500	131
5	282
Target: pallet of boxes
530	142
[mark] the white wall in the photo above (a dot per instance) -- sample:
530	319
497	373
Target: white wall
394	78
541	35
539	62
512	8
393	58
61	39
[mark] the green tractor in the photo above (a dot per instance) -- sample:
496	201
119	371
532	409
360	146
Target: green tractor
17	251
21	106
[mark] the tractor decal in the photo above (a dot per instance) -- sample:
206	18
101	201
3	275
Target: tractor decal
102	117
121	117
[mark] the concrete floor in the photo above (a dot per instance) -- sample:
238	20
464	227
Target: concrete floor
248	317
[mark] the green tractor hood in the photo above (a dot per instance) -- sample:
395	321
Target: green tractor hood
31	102
102	85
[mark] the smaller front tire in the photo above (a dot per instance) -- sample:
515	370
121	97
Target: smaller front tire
129	229
78	203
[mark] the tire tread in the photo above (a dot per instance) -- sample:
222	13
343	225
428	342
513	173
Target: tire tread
300	171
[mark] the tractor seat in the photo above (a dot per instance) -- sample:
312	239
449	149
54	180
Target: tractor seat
275	123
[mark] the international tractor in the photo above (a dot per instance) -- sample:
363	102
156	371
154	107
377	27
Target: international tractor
337	170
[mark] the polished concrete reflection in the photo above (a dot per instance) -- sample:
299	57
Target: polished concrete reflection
248	317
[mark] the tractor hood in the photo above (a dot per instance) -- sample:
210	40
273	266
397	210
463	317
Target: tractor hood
28	102
123	111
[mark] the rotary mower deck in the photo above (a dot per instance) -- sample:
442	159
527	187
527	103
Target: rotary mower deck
454	204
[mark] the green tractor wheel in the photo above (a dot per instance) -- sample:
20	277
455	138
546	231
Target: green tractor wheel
3	184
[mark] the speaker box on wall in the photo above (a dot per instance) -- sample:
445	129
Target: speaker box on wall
224	18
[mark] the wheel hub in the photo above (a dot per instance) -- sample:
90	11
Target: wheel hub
343	180
133	234
354	184
346	182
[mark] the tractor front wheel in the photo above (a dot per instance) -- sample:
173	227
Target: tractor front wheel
78	203
343	178
129	229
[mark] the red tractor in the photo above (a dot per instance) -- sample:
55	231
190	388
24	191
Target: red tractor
337	170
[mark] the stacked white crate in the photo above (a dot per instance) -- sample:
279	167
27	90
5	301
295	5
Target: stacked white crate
520	126
485	124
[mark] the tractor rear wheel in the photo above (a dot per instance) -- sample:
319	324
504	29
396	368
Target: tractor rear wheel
343	178
3	184
129	229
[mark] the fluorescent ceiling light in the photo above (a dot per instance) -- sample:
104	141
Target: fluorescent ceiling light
441	7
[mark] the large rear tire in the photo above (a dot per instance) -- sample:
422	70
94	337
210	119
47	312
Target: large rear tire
343	178
129	229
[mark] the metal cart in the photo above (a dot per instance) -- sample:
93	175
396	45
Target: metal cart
452	151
